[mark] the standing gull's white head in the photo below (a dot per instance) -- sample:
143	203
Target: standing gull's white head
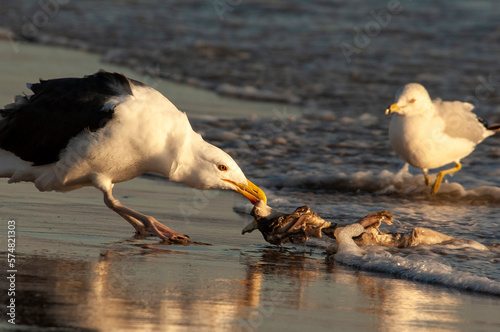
411	99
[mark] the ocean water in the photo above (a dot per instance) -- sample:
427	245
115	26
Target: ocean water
349	57
341	63
345	169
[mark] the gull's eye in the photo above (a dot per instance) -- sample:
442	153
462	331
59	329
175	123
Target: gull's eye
412	101
222	168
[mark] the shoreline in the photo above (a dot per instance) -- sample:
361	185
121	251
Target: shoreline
34	61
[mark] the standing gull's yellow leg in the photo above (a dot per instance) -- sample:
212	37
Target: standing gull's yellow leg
426	176
441	175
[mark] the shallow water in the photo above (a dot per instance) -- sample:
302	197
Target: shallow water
345	168
350	57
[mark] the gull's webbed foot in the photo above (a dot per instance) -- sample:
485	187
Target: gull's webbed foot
144	225
167	234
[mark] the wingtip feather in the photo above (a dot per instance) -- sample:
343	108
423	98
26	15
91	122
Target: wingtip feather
495	127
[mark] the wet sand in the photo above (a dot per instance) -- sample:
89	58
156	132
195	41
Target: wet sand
80	268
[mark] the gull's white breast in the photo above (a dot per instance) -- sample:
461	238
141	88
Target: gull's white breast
420	140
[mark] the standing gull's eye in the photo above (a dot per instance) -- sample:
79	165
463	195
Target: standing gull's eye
412	100
222	167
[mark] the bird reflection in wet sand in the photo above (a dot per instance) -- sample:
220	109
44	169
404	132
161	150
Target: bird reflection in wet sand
279	228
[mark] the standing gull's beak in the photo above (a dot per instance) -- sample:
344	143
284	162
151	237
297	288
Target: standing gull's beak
253	193
394	108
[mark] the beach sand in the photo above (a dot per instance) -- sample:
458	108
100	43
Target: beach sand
26	63
80	268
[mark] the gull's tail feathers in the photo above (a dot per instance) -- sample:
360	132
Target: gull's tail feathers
495	127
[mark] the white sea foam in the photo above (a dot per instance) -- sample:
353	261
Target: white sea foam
447	265
382	183
413	267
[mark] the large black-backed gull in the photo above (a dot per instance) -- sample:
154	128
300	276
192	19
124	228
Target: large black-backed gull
103	129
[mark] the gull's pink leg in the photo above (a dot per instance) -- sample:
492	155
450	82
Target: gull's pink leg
139	226
143	223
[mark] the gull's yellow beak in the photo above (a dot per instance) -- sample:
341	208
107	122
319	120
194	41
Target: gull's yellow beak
394	108
253	193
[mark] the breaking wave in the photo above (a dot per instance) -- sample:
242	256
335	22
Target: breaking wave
402	183
415	267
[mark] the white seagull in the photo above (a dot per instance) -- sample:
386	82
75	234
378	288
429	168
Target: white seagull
103	129
433	133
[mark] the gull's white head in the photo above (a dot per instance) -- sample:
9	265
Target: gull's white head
411	99
208	167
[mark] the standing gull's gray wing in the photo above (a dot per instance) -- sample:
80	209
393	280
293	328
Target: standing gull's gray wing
460	121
